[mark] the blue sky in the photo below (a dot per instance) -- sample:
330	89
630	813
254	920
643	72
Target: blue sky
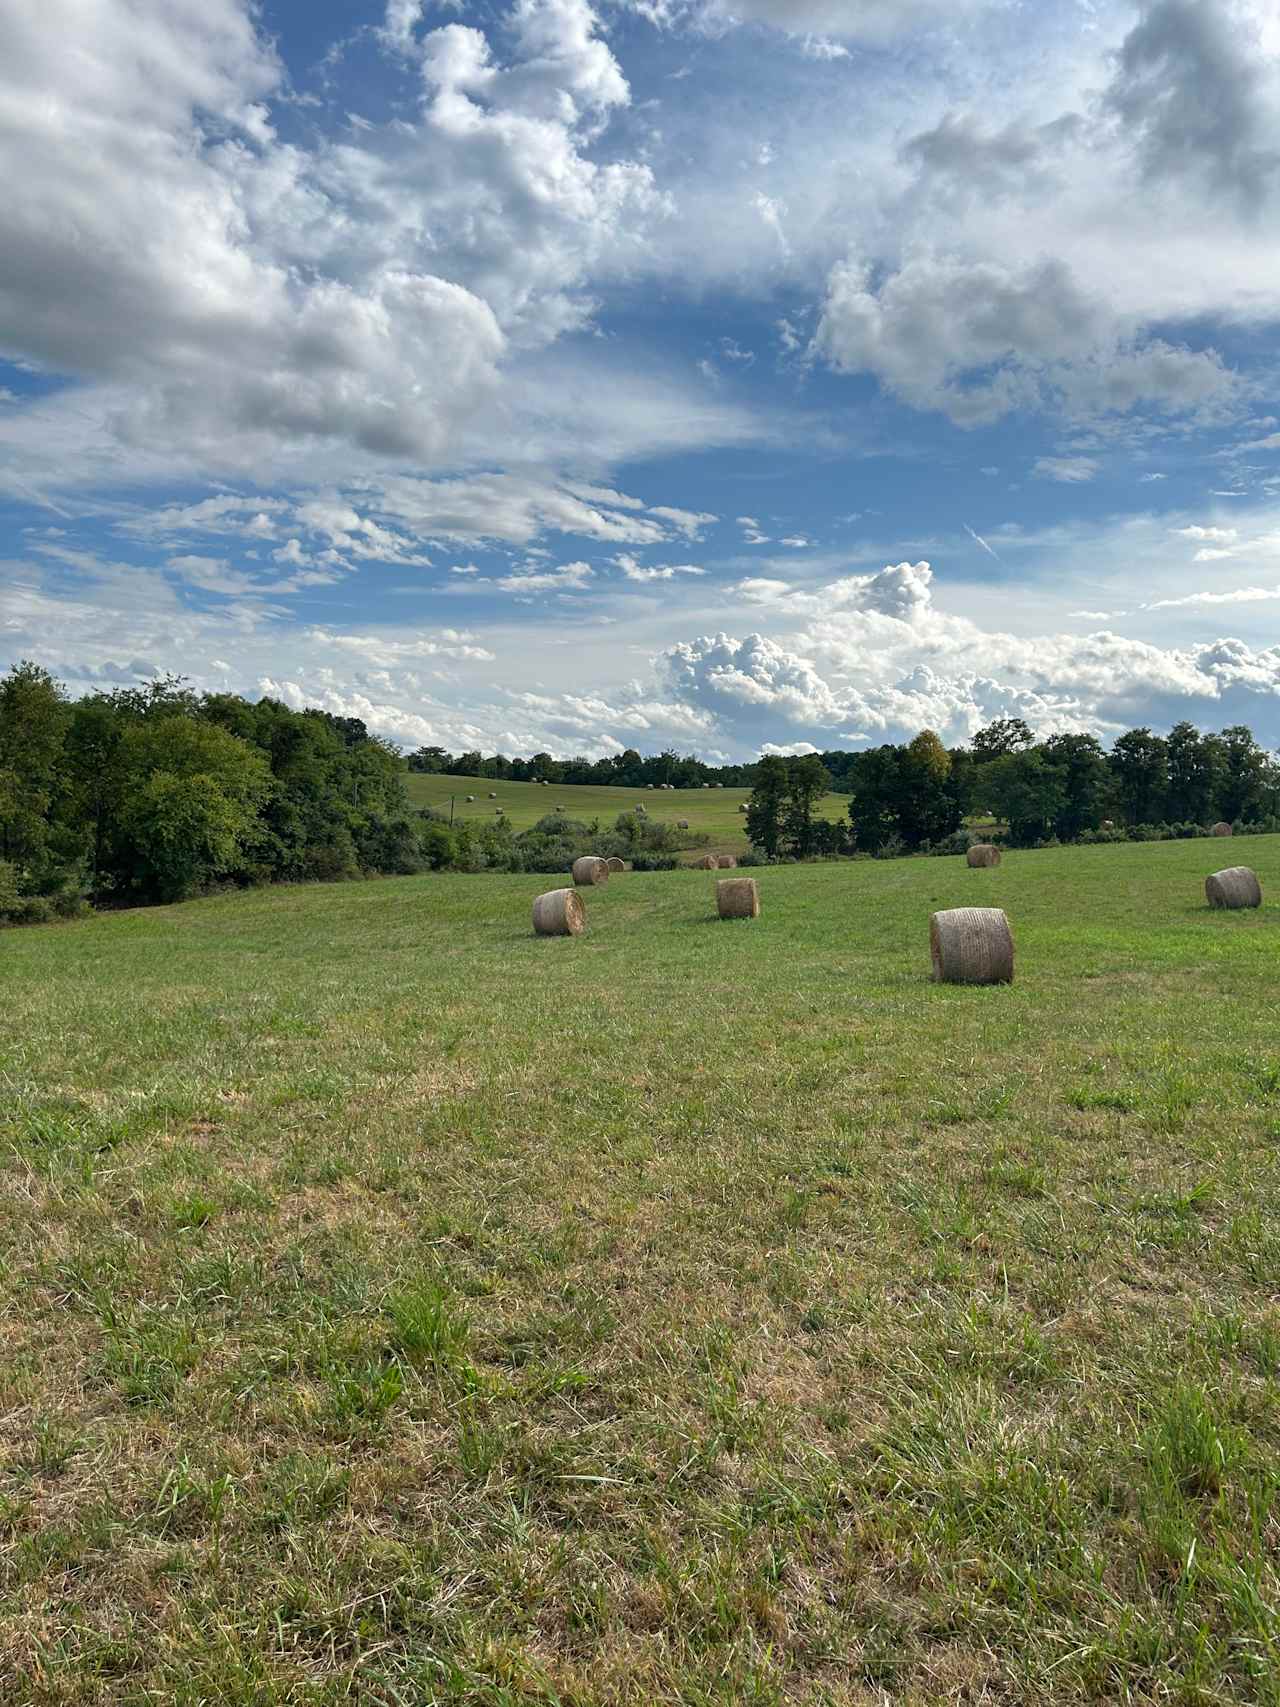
731	374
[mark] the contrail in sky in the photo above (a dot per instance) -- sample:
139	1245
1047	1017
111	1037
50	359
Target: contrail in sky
982	542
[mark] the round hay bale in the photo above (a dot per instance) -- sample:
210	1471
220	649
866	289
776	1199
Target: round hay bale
738	898
706	785
590	869
971	945
492	794
708	862
983	854
1236	886
648	785
1222	828
682	823
559	913
727	862
742	807
471	797
615	864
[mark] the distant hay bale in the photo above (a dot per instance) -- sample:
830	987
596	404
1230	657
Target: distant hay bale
497	812
1236	886
719	785
1222	828
983	853
559	913
616	864
589	869
738	898
706	785
708	862
471	797
742	807
492	794
648	785
727	862
682	823
971	945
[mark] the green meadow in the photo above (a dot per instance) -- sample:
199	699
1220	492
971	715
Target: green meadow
710	811
398	1308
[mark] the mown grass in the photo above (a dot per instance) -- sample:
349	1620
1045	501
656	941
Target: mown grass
398	1308
710	811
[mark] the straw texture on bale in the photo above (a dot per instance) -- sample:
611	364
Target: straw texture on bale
559	913
738	898
1237	886
727	862
590	869
983	853
971	945
1222	828
708	862
616	864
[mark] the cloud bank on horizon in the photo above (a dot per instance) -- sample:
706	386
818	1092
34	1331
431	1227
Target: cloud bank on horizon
727	375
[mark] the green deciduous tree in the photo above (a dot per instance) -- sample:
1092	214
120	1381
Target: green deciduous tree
35	831
1242	777
1140	765
807	782
927	806
1195	764
1028	792
767	805
1005	735
187	807
1081	768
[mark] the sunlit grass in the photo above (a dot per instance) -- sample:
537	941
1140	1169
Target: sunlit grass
397	1307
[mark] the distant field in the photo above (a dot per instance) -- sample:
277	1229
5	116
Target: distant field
712	812
395	1308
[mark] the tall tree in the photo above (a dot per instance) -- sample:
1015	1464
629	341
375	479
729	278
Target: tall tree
1028	792
1081	768
1195	765
927	807
1140	765
807	782
873	803
34	716
1005	735
767	805
1243	774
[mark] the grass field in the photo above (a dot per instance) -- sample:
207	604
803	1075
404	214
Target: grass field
401	1309
711	811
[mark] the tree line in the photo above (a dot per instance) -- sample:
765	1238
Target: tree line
152	793
917	796
627	769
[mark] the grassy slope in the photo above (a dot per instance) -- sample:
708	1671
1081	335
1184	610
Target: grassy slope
712	811
399	1308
